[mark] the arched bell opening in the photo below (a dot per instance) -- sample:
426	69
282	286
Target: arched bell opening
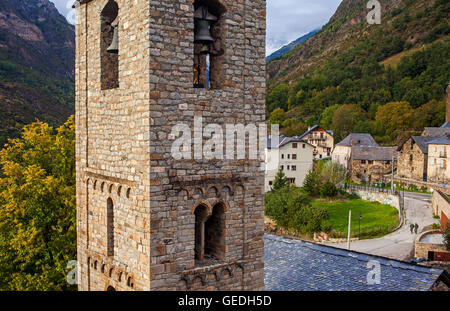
109	46
209	39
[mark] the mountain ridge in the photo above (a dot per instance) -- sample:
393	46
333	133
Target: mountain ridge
37	60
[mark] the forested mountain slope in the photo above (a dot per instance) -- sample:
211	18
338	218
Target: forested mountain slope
386	79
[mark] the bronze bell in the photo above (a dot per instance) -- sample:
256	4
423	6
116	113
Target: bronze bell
114	47
203	20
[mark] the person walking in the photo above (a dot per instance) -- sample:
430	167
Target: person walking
411	226
416	227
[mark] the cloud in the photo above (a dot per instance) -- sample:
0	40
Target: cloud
288	20
63	6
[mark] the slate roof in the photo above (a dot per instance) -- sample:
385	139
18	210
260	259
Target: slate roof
446	125
423	141
315	127
358	139
444	140
437	131
284	140
293	265
374	153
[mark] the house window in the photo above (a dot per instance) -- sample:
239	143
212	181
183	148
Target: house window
270	183
209	36
294	157
291	181
282	167
370	162
304	146
294	145
363	161
289	156
282	156
288	167
110	227
109	54
294	167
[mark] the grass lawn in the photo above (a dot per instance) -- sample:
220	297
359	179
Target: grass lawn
377	219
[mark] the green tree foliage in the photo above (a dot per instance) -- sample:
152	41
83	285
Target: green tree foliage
394	117
346	93
447	236
37	208
292	210
280	181
311	183
345	119
328	190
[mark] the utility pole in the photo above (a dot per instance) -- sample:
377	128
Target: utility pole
392	178
349	228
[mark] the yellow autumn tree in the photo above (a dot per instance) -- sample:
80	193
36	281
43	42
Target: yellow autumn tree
37	208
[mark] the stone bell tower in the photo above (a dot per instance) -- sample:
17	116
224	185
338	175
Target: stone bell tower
147	220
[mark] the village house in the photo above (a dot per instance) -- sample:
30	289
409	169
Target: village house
321	139
413	158
343	151
441	207
438	165
371	163
293	155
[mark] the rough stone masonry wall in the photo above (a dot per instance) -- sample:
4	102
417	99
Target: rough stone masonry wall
123	150
414	169
112	151
373	172
382	197
174	100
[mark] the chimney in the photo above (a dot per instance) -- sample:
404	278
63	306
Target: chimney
447	116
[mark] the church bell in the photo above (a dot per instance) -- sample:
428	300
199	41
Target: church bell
114	47
203	20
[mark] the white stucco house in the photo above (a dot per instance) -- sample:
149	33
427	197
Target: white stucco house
293	154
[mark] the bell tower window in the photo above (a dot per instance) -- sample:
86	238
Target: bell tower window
109	46
208	44
110	227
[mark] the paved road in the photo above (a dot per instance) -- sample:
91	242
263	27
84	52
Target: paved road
400	244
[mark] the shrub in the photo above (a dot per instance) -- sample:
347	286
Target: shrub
413	187
311	183
328	190
292	210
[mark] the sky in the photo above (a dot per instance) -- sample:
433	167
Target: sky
287	20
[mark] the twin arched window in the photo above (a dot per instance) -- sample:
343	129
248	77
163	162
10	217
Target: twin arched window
109	46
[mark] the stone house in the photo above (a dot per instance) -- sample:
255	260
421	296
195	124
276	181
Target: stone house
371	163
293	155
438	160
321	139
412	159
441	207
147	220
343	151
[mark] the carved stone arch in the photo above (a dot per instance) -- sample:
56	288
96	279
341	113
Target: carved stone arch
102	187
188	279
198	193
119	276
95	265
111	272
88	182
104	268
228	269
223	203
119	191
130	281
213	192
203	203
111	188
95	184
202	278
109	287
183	195
226	192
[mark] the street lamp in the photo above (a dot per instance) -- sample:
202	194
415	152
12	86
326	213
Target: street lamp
359	225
